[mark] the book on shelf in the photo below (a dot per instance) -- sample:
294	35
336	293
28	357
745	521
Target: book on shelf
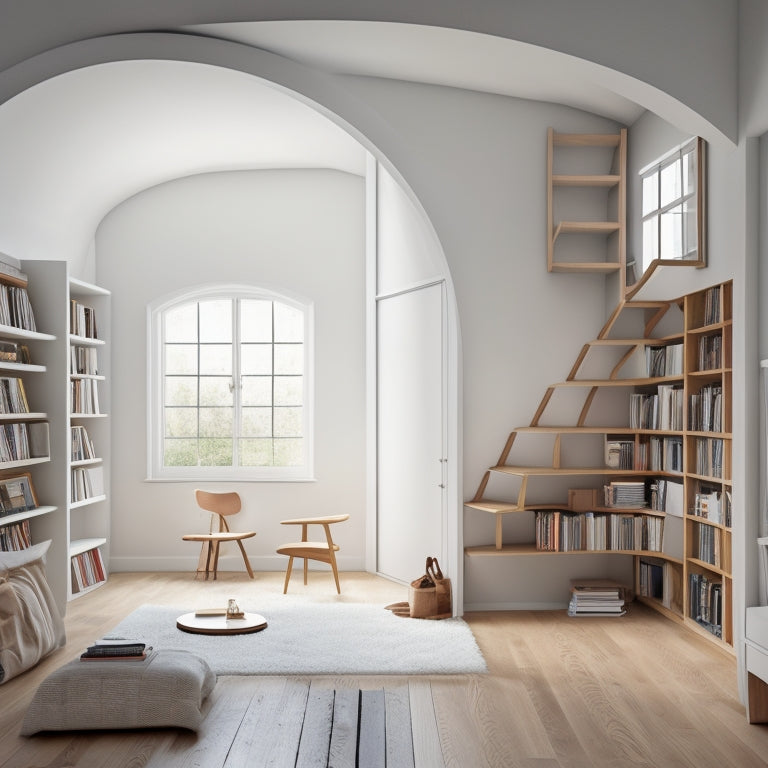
712	305
82	320
15	537
13	352
17	494
13	397
87	569
84	396
662	581
83	360
619	453
664	360
82	445
15	308
561	531
87	483
21	440
667	496
705	602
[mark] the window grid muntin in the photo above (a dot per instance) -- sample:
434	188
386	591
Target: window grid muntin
236	435
687	253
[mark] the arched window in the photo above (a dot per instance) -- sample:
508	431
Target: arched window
230	380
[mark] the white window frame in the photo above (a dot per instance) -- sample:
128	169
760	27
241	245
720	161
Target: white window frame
156	310
693	256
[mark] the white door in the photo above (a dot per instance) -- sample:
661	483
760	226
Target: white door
411	430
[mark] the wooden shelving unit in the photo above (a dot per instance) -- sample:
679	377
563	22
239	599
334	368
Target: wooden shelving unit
693	546
594	167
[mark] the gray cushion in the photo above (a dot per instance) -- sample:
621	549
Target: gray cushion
31	626
167	689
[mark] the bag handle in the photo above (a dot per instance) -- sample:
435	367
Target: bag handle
433	569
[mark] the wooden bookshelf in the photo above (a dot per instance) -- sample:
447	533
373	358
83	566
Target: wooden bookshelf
593	166
695	554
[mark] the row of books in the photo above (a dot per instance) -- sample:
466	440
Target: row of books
712	504
15	537
87	569
709	457
597	598
705	409
560	531
84	396
706	544
662	409
82	445
664	360
705	602
83	360
13	397
87	483
662	454
710	352
666	496
661	581
19	441
15	309
82	320
712	305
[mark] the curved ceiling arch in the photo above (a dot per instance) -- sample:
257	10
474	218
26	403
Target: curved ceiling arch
310	88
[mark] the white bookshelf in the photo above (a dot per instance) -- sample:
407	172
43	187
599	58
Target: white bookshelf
74	528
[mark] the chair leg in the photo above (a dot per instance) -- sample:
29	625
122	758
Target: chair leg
245	558
306	570
288	574
335	570
215	558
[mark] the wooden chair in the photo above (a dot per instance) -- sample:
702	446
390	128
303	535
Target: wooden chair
220	505
324	551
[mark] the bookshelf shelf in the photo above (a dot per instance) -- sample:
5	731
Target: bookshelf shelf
87	502
586	193
26	515
694	557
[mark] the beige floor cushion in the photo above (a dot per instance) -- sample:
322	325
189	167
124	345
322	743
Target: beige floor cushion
167	689
31	626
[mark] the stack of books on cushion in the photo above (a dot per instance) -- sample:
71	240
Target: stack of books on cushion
117	649
591	597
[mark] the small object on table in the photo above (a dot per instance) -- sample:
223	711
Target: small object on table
220	624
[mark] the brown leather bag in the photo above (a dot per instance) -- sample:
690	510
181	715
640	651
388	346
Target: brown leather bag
429	596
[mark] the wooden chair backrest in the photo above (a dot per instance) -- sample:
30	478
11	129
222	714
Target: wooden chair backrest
219	503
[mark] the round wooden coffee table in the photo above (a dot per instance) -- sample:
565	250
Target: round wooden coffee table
221	625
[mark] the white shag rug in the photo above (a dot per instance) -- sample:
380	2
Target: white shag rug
318	639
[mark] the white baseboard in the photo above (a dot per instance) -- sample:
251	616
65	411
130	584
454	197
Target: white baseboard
226	563
469	607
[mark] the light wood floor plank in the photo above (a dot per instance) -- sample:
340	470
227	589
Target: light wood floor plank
427	751
561	693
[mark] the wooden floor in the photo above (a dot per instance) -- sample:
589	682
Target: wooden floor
636	691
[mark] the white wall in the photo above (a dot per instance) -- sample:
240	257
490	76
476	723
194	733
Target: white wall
302	231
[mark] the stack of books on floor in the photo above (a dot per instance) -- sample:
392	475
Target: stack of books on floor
597	598
115	649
